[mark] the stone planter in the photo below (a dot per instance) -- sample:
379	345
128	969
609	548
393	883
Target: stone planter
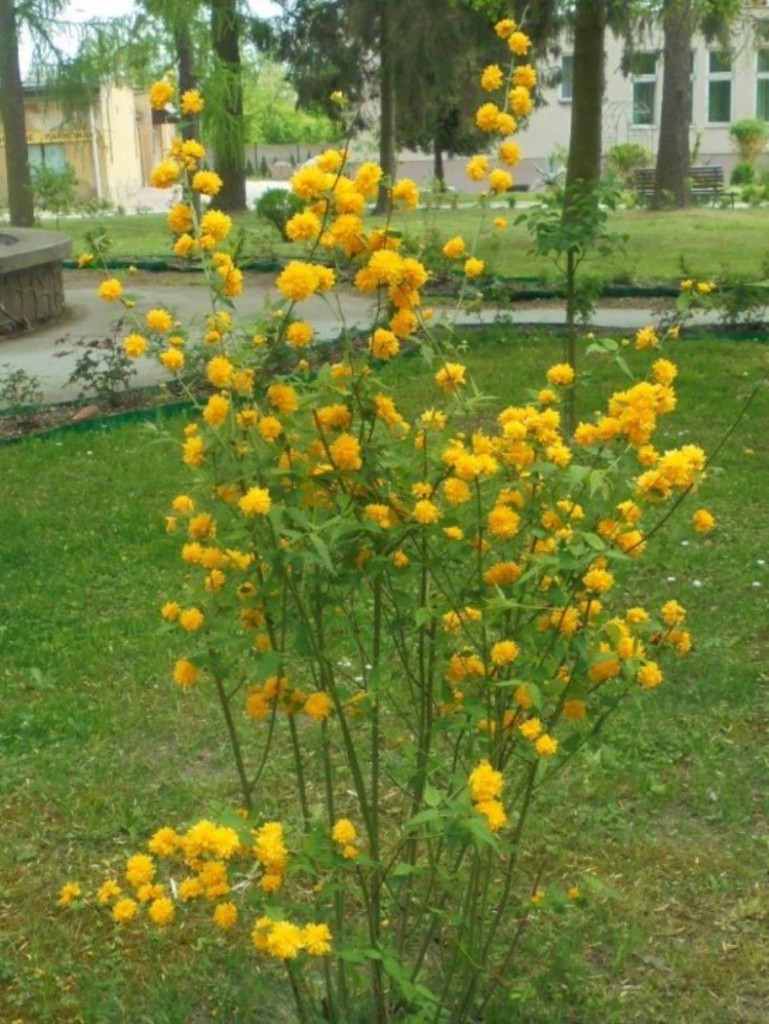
31	287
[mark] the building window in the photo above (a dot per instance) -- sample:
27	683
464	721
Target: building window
762	86
51	155
644	71
720	87
567	78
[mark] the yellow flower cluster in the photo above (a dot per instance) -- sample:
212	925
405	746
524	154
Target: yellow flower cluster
486	786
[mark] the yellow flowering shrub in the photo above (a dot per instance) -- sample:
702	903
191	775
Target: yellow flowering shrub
420	607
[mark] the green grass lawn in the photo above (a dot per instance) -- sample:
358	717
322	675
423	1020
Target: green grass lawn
701	242
664	825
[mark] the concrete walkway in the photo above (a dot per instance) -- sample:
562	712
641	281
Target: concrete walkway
46	351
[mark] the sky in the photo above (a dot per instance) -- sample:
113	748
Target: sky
82	10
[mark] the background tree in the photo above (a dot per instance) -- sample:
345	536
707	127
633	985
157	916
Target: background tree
20	202
223	120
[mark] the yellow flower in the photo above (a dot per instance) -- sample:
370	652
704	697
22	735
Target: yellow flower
283	398
318	706
172	360
505	28
344	832
598	581
477	167
299	334
225	916
193	451
124	911
650	675
216	410
474	267
494	813
255	502
486	117
345	452
492	78
510	153
191	102
68	893
140	870
454	247
500	223
503	522
84	259
531	728
219	371
216	223
525	75
405	190
450	377
303	227
546	746
134	346
367	178
164	174
519	43
485	783
646	337
160	94
298	281
284	941
161	911
426	512
574	710
159	320
185	673
316	939
500	181
108	891
207	182
703	521
180	218
505	652
561	375
191	619
384	344
520	101
110	290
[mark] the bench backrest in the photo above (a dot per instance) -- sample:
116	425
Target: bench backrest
709	177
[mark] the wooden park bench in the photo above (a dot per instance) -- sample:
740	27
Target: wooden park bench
706	182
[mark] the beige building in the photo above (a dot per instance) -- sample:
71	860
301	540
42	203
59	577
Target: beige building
728	84
112	145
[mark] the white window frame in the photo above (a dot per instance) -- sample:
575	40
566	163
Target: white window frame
645	79
762	77
720	76
566	85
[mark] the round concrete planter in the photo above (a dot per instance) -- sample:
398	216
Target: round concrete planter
31	288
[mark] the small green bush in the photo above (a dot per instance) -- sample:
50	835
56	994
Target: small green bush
749	136
623	159
278	206
744	173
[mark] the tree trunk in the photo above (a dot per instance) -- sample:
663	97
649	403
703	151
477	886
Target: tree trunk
673	154
229	133
387	102
185	64
584	162
20	201
439	172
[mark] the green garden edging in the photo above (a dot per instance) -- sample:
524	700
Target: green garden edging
107	422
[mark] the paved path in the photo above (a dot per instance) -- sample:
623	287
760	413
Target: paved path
39	351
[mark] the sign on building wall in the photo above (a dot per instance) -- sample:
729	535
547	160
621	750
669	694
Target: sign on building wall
37	138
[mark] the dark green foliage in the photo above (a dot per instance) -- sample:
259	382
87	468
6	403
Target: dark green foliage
278	206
